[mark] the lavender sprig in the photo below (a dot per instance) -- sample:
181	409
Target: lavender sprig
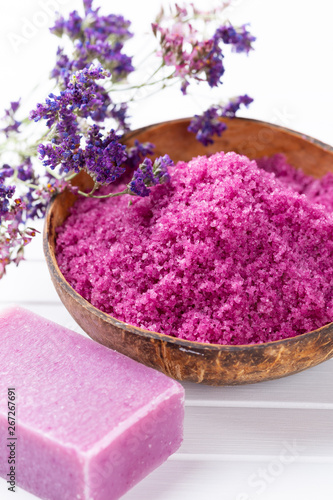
67	115
85	125
149	174
6	193
193	57
95	37
11	123
209	124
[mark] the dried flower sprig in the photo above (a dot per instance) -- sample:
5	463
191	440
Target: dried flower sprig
81	126
11	124
149	174
208	124
192	56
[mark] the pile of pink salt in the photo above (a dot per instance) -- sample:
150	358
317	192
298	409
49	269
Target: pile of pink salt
225	253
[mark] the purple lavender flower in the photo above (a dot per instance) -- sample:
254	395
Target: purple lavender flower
68	154
119	113
192	57
104	156
206	58
6	192
12	125
138	152
230	109
63	69
25	171
87	5
108	27
111	58
160	169
149	174
29	206
35	205
104	108
214	67
72	27
137	185
240	38
95	37
6	171
207	125
184	86
82	97
64	149
13	107
15	237
36	201
93	26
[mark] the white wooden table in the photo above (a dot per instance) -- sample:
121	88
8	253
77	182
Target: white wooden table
266	441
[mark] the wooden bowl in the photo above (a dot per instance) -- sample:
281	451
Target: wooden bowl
194	361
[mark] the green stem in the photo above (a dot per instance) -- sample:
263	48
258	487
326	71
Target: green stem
137	65
51	172
110	195
152	75
147	82
26	120
136	87
32	186
165	85
70	177
93	190
15	178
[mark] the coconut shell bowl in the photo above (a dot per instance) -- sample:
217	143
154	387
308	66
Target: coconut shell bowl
181	359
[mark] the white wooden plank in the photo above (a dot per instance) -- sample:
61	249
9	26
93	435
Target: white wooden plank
312	386
257	431
269	480
272	480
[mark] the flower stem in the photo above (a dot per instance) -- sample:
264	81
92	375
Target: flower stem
110	195
51	172
147	82
28	184
70	177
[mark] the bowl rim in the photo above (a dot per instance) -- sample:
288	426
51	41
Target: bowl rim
301	135
188	345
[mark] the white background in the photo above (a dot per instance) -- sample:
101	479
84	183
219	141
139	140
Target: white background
289	74
230	433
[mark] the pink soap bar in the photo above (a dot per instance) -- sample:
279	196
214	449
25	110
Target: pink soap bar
90	422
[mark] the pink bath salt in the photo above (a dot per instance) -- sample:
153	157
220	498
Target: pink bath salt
89	422
316	190
225	254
